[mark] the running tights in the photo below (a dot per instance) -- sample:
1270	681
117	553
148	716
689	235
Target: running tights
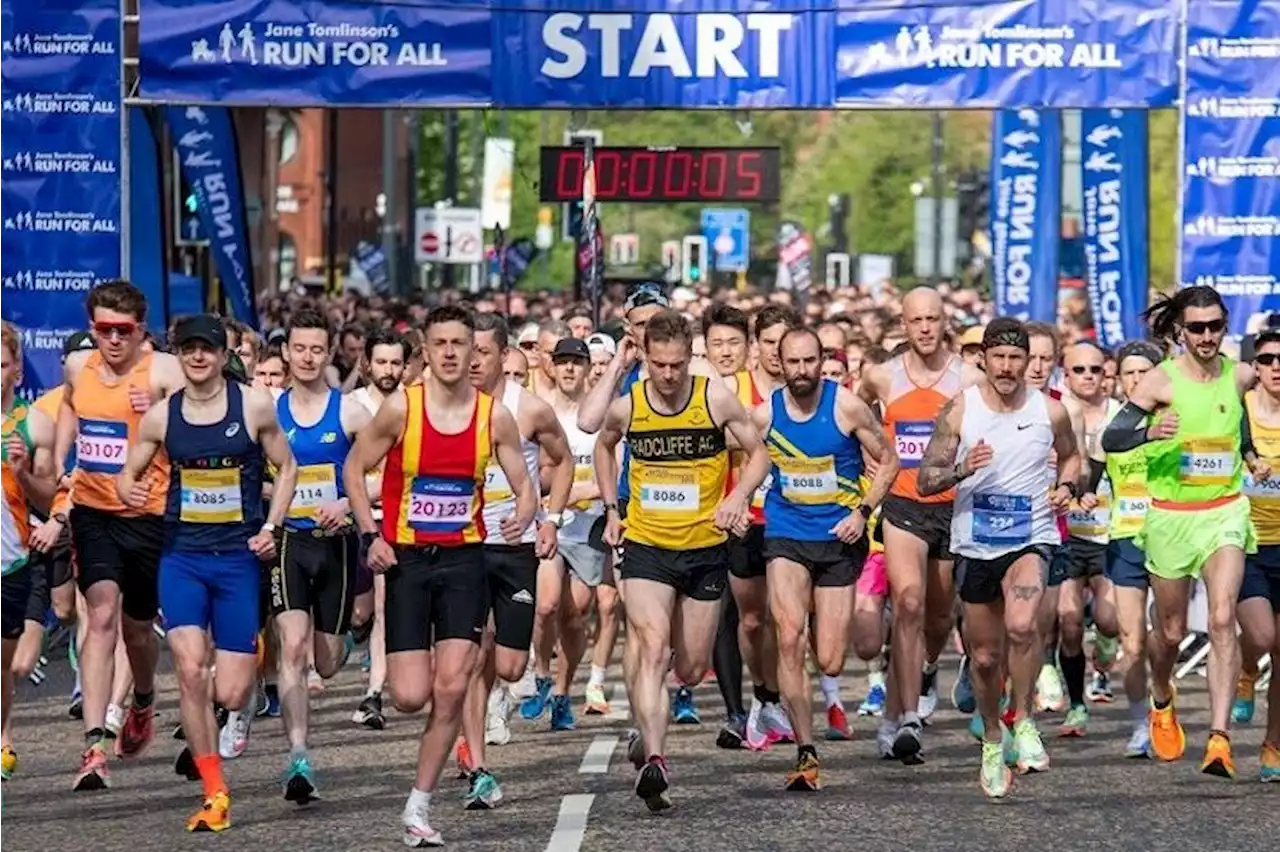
727	657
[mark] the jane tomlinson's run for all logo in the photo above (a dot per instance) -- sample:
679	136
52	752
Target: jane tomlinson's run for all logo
312	44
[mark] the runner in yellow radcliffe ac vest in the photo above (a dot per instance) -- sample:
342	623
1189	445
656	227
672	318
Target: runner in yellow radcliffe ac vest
1198	524
1259	608
678	516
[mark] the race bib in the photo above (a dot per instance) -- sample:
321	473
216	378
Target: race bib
497	488
1207	461
440	505
910	438
1001	519
669	492
757	497
1130	509
103	445
317	485
1093	523
1265	491
210	497
808	482
583	471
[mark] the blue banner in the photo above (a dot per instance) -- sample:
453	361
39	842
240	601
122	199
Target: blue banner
148	268
1231	156
1113	163
651	55
1026	212
1007	53
205	141
315	52
60	197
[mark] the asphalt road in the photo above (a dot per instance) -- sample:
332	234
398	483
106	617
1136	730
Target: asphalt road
1091	799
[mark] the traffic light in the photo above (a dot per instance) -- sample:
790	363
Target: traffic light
839	205
571	211
695	258
187	227
973	195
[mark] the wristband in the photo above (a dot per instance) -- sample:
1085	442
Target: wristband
1071	489
866	511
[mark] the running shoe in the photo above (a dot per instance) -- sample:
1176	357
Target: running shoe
75	708
92	774
8	763
838	727
777	724
1031	754
273	702
977	728
1270	763
683	711
233	739
733	734
873	704
994	777
185	765
462	757
1099	691
418	833
1217	757
596	703
1050	694
369	713
527	685
1105	649
497	731
907	746
757	729
562	714
635	749
214	814
535	705
652	785
1139	745
300	782
1242	708
804	778
260	701
962	697
483	792
928	703
1076	723
113	722
1168	739
886	734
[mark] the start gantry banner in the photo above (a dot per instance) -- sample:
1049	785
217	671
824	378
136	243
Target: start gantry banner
647	54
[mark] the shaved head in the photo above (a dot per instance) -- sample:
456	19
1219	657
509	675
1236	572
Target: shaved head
923	315
921	300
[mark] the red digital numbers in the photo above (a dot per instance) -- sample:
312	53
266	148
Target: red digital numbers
569	174
672	174
643	174
749	171
713	173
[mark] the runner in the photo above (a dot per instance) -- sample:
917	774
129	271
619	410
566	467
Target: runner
215	433
1126	574
991	443
675	556
117	546
385	355
315	581
523	595
542	380
912	389
437	438
29	477
1085	549
1198	524
1259	606
815	519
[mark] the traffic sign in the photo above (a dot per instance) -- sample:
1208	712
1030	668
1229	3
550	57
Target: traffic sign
728	234
624	249
448	235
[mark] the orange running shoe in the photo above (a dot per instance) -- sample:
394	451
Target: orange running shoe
214	815
1168	739
1270	762
137	733
1217	757
804	778
462	756
92	774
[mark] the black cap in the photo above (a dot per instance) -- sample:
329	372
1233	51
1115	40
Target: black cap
644	296
571	347
204	327
277	335
78	342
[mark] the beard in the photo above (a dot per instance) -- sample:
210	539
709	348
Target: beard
387	384
803	386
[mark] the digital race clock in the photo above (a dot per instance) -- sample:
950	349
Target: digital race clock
664	174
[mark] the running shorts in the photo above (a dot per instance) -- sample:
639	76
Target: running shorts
873	581
512	579
1178	542
746	554
1262	576
124	551
699	575
1126	564
584	562
15	593
831	564
929	522
1084	559
216	591
436	593
316	573
981	580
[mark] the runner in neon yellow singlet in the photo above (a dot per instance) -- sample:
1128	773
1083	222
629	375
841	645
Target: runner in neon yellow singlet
1198	524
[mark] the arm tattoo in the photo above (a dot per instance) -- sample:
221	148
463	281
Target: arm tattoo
1025	593
938	467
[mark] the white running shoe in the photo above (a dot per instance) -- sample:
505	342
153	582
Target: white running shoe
928	703
886	733
496	730
115	719
418	833
1139	744
233	739
527	685
1051	696
774	718
757	730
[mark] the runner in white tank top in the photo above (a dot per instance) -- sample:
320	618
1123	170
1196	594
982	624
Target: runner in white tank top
991	443
499	500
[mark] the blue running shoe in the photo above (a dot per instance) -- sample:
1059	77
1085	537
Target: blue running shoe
1242	707
962	690
873	704
682	709
562	714
273	702
483	793
300	782
535	705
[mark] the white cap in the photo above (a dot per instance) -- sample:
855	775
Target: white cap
528	333
602	342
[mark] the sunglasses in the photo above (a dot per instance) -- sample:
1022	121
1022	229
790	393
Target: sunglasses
106	329
1210	327
1091	369
529	345
1267	359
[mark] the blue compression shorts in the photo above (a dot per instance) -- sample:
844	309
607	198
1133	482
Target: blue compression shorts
214	591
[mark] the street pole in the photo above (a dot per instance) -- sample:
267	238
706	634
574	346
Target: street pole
410	205
331	193
388	223
937	198
450	177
